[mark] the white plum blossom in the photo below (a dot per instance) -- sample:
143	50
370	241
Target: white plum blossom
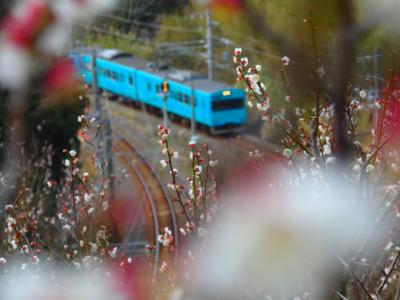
54	40
17	56
15	65
86	198
320	71
330	161
72	153
258	68
55	282
389	246
9	207
369	168
244	61
253	79
202	232
327	148
163	163
288	99
198	169
363	94
285	60
167	238
238	51
35	260
263	106
75	10
279	231
213	163
114	252
287	153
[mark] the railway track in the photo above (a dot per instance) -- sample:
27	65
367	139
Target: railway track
159	206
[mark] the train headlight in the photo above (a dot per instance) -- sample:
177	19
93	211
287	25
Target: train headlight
226	93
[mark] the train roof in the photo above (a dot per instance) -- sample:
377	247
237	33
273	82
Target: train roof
186	77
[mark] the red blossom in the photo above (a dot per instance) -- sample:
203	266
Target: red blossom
234	5
22	30
391	125
60	78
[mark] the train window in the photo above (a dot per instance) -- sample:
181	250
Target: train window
186	99
180	97
149	86
108	73
114	74
227	104
158	89
130	80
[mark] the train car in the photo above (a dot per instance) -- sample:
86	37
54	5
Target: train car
218	107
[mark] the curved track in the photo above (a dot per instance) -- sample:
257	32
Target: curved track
159	203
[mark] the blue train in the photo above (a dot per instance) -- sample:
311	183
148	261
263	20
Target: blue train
217	107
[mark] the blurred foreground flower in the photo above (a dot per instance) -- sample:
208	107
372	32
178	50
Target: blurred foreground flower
60	81
228	5
57	283
281	236
82	10
37	30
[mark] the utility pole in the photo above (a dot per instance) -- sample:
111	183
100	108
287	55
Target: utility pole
105	132
193	119
70	34
376	84
165	97
108	151
209	43
98	111
374	60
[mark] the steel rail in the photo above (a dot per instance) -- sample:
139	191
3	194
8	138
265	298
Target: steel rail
153	201
153	207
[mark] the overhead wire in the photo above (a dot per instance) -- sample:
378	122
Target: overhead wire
148	24
114	33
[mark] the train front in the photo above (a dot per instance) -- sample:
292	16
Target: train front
228	111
